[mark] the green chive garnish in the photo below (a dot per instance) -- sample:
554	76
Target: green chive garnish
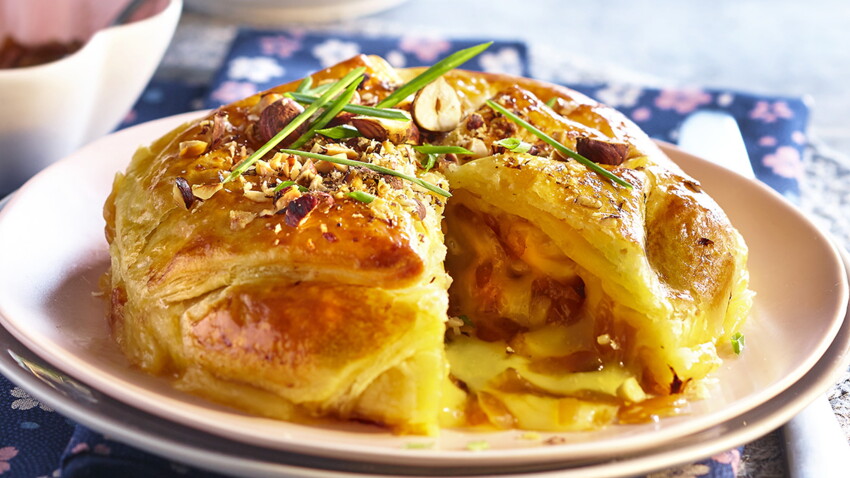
319	90
432	149
558	146
373	167
478	445
514	144
429	162
295	123
551	102
305	84
435	71
340	132
286	184
330	113
361	196
358	109
738	343
466	320
419	446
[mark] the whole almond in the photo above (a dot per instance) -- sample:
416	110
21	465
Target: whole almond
276	116
602	152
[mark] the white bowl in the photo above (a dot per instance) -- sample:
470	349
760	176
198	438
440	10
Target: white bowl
289	12
50	110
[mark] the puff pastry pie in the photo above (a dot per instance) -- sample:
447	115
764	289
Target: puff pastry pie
540	295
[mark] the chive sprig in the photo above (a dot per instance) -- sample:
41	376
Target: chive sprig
557	145
515	145
385	113
432	151
342	131
436	149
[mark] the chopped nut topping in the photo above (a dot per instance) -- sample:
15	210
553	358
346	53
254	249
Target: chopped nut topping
295	169
474	122
220	127
264	169
478	147
285	196
336	149
277	162
256	196
206	191
240	219
317	184
193	148
307	173
267	189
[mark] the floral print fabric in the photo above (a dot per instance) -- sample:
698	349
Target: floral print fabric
38	442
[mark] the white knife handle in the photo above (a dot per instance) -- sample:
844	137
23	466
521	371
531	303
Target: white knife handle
815	444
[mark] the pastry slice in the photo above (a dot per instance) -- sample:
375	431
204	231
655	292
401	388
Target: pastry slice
590	296
301	289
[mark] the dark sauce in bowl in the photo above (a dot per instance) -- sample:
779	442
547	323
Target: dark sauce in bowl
18	55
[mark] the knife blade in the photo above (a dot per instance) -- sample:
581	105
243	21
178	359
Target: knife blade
815	444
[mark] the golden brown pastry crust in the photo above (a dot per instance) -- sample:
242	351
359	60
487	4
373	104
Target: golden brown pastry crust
329	312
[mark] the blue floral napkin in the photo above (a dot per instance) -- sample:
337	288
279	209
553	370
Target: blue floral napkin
38	442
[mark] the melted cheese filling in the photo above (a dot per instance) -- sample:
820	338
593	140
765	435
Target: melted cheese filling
528	355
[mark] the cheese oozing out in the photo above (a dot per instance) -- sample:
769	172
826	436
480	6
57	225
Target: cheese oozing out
529	355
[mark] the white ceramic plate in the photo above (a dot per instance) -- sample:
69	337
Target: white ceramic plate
52	253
